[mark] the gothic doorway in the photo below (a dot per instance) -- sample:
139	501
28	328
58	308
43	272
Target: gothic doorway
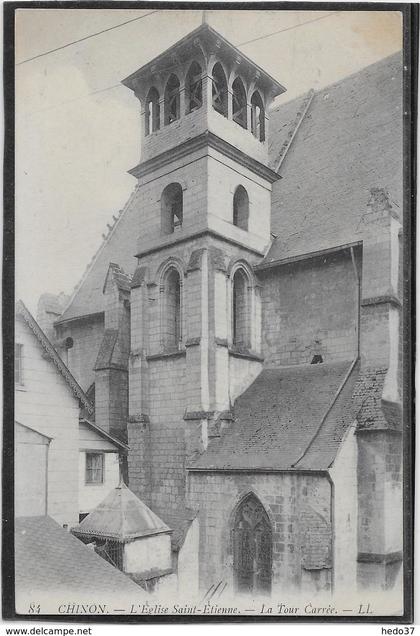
252	547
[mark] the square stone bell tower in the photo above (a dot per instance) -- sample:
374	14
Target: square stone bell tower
203	200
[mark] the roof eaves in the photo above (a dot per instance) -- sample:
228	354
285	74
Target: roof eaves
202	29
266	264
77	390
105	434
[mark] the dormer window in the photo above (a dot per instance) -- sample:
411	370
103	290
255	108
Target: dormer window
152	111
239	104
257	116
220	90
172	100
172	208
194	87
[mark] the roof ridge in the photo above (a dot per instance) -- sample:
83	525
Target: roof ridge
300	116
324	417
105	239
46	344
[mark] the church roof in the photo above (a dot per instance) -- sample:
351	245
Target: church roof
349	140
289	418
50	559
121	516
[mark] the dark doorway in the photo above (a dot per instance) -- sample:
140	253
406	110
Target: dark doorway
252	548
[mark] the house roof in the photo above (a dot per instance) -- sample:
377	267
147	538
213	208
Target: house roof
23	312
34	434
179	521
349	140
121	516
105	434
289	418
50	559
88	407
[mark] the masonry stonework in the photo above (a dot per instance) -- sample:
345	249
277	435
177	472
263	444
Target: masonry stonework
320	264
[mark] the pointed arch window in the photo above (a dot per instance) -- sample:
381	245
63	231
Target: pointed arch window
171	203
152	111
194	87
252	547
172	100
171	309
219	90
241	320
241	208
257	116
239	104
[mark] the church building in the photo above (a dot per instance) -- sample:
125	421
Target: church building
240	326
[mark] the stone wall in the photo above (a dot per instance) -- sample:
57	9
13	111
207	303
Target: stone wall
344	477
298	507
87	334
310	308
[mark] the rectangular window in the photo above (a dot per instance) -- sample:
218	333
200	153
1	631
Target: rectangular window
18	364
94	468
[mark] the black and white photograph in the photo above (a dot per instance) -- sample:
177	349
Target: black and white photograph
212	350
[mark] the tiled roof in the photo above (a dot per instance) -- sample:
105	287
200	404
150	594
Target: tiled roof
278	420
121	516
179	521
48	558
367	397
349	142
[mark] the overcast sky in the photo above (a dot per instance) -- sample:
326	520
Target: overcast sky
73	148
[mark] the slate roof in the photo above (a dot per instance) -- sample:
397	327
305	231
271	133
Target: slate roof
179	521
349	141
278	420
121	516
50	559
367	396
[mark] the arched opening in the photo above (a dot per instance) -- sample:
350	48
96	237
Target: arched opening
171	309
239	102
241	208
152	111
252	547
194	87
171	204
240	310
257	116
220	90
172	100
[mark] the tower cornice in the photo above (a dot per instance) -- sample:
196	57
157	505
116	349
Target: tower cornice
205	140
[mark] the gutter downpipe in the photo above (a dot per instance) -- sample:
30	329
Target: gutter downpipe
357	277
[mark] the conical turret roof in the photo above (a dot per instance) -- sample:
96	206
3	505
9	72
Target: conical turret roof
121	516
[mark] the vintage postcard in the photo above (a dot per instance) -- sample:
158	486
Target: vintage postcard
212	403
